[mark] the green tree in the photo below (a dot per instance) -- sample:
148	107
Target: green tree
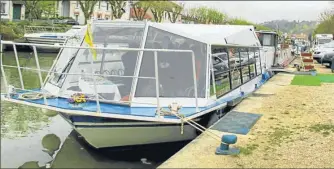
117	8
174	11
48	8
158	9
87	7
31	7
326	26
140	9
206	15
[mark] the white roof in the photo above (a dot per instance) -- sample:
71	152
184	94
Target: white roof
213	34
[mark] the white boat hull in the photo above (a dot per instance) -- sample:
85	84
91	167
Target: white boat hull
101	137
46	41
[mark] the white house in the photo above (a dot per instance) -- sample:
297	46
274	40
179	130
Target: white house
102	11
12	10
72	9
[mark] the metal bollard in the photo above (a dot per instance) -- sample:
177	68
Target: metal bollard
224	148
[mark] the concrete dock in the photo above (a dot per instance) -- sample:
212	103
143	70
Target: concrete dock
296	130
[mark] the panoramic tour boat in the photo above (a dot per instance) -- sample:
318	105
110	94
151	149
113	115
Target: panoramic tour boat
143	81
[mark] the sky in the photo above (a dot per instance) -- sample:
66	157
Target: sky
261	11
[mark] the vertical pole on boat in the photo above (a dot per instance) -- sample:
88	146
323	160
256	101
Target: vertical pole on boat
18	65
212	75
39	73
95	87
195	81
157	81
2	70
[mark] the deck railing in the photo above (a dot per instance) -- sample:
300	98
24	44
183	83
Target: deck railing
45	29
93	74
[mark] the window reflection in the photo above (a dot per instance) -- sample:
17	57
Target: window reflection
233	67
221	70
175	70
235	63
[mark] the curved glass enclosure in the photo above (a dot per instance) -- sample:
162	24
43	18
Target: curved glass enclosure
125	71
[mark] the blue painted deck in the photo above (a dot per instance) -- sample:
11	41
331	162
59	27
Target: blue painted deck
110	108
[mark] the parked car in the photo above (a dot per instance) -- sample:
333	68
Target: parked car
220	61
71	22
320	52
66	21
328	58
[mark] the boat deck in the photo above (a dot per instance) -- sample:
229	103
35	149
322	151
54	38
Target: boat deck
117	109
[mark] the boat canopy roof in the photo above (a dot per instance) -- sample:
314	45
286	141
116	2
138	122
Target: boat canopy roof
266	32
213	34
118	68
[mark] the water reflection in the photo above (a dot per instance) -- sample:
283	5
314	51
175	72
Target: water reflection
76	153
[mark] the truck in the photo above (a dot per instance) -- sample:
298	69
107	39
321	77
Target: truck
321	39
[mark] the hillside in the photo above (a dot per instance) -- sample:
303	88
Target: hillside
292	27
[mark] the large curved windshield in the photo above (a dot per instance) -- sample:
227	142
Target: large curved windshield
329	45
323	41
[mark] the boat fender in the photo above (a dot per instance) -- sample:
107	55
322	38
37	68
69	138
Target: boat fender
256	86
33	96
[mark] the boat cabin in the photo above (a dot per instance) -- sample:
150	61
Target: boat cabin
269	42
231	51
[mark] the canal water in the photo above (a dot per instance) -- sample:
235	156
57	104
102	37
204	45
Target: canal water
37	138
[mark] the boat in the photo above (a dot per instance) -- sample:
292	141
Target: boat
147	80
269	42
49	36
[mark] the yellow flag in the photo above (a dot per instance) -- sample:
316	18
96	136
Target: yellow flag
89	40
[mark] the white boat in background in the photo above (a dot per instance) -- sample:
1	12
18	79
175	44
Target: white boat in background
269	41
49	36
131	92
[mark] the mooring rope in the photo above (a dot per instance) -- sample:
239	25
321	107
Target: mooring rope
34	96
191	123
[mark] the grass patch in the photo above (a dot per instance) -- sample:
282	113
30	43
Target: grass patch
308	80
325	129
326	78
279	135
248	149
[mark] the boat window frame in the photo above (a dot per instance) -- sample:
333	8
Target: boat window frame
227	47
205	56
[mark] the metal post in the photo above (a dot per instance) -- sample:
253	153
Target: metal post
18	66
157	86
39	73
95	87
212	75
195	80
2	70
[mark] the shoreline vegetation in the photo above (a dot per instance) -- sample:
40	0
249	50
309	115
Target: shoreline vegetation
45	11
14	31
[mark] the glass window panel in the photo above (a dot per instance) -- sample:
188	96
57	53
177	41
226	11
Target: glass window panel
251	62
235	62
252	70
245	74
258	63
175	69
221	70
243	54
107	62
267	40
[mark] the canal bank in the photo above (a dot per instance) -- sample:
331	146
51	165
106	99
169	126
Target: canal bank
296	130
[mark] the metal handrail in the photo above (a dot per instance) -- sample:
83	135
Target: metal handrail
39	29
93	71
